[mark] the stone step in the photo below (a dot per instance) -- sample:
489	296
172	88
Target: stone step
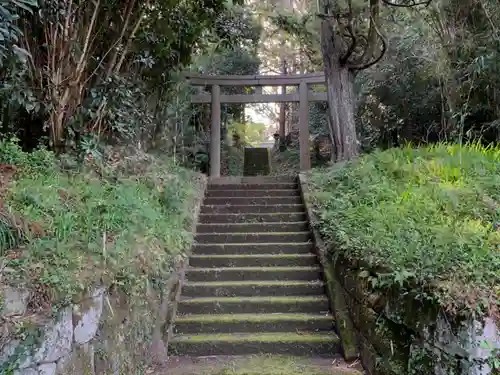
231	323
253	288
253	218
276	237
299	226
255	248
249	186
241	200
253	273
253	180
296	343
252	260
254	305
252	209
252	193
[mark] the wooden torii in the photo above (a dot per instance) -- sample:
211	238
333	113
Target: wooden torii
303	96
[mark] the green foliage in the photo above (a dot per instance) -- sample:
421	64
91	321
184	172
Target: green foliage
428	215
10	13
249	133
117	225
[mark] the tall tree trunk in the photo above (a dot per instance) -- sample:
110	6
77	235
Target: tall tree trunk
340	88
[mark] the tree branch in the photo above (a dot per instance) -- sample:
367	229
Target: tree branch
366	65
411	4
354	41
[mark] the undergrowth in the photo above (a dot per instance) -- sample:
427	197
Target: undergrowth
233	156
427	216
117	222
286	162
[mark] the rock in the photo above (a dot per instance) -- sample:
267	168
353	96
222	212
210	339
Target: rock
14	301
62	363
47	369
57	339
23	360
485	339
26	371
86	317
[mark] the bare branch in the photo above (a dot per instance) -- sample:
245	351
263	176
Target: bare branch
366	65
372	31
410	4
354	41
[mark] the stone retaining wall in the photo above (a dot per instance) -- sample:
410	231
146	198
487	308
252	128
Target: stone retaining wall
395	332
105	332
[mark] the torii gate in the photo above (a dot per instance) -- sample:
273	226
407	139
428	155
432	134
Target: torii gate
304	96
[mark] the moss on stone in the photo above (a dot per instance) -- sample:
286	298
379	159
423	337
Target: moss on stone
255	269
243	256
341	313
210	318
273	337
254	282
261	365
283	300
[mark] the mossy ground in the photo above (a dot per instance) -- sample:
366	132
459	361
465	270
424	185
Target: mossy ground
426	215
259	365
119	220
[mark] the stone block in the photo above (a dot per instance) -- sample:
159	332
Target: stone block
86	317
47	369
81	361
14	301
257	161
27	371
57	339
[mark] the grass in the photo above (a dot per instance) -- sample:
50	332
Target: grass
428	215
120	223
245	256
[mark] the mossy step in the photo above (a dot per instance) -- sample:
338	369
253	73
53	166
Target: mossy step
251	208
254	273
278	217
322	344
260	365
250	186
253	260
299	226
230	323
252	288
254	305
258	193
243	248
287	178
251	200
281	237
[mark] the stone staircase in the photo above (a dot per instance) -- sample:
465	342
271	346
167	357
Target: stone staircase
254	285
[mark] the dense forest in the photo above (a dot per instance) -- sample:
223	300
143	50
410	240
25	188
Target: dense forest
78	75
